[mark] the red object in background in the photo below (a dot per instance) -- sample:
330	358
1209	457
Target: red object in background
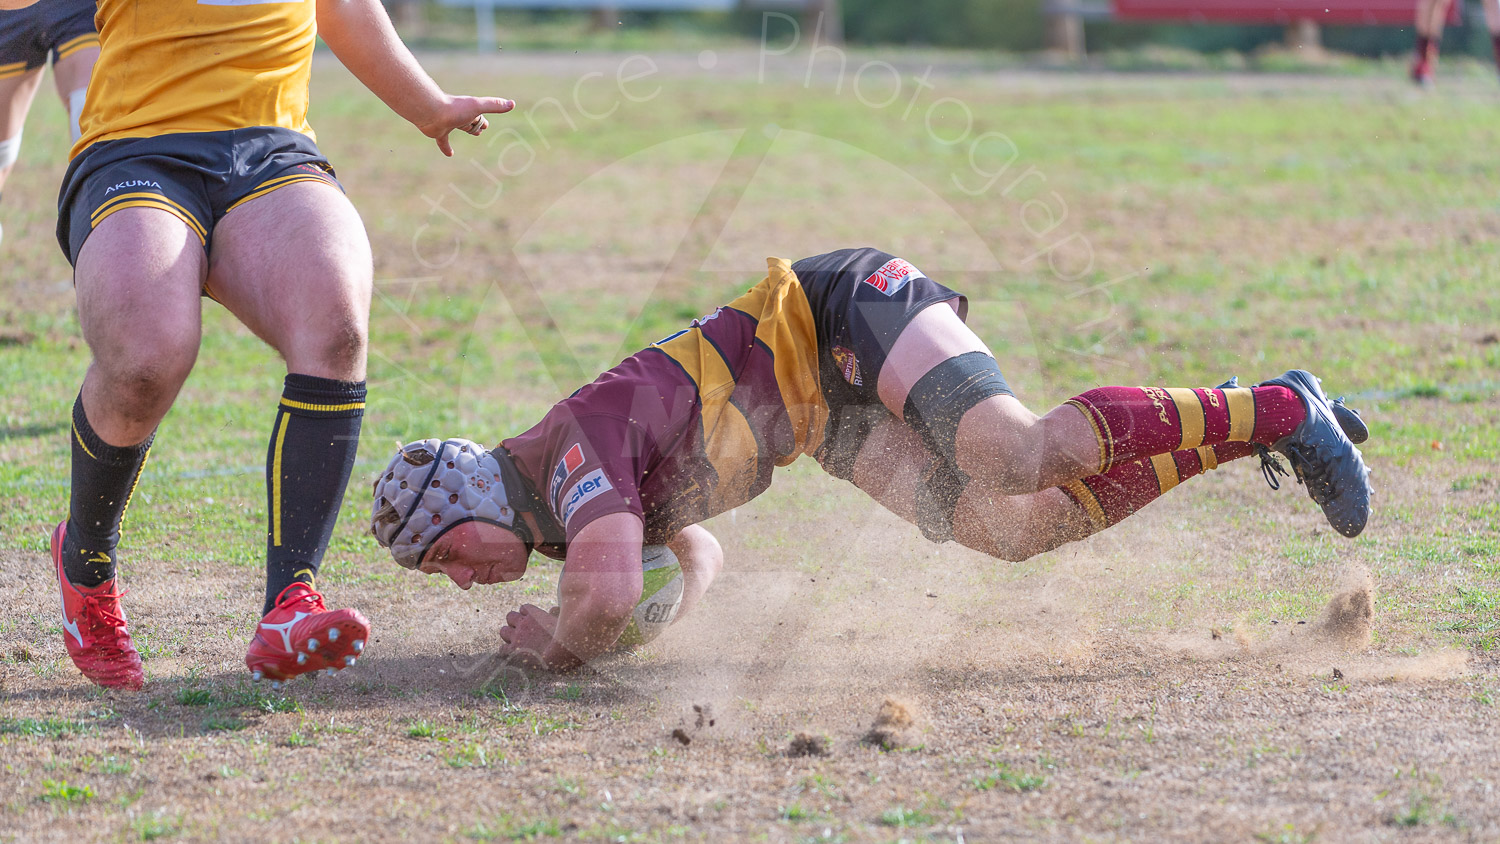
1355	12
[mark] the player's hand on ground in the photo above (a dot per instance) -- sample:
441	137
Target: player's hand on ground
527	633
462	114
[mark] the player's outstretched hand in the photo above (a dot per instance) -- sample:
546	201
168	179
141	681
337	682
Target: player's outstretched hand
463	114
526	634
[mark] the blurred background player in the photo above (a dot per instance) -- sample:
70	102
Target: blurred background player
1431	14
861	361
197	175
63	28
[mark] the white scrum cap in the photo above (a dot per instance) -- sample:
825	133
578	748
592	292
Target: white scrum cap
432	486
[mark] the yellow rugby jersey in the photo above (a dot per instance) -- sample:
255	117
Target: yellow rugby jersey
169	66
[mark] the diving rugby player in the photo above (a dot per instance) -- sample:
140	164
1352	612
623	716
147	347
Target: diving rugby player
861	361
197	175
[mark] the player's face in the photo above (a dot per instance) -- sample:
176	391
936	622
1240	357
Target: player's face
475	552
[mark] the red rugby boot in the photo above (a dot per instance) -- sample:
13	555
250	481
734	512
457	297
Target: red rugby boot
94	628
300	635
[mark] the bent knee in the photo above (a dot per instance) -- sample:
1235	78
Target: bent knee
702	550
334	349
144	385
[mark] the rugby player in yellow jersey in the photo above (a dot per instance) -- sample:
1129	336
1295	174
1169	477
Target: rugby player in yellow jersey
861	361
63	28
197	174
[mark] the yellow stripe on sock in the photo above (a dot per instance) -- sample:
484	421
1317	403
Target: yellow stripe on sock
1166	471
1208	458
1091	506
1189	416
1241	403
326	408
131	494
1098	434
276	481
81	443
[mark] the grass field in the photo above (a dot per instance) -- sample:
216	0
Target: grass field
1157	682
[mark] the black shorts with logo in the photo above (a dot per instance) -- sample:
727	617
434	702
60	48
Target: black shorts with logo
197	177
861	299
59	27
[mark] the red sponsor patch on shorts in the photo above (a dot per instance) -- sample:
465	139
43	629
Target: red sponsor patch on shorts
893	276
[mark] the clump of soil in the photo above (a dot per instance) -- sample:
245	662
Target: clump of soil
703	716
892	723
1349	616
807	744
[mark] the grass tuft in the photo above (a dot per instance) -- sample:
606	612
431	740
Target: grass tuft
53	728
1002	775
193	697
218	723
902	817
59	791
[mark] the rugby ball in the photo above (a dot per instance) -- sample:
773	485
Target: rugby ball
661	595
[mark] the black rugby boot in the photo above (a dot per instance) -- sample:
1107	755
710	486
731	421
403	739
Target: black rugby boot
1323	454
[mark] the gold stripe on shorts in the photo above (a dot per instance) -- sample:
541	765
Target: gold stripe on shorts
275	185
73	45
151	200
161	206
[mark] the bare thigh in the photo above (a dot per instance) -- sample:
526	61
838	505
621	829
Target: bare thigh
893	462
999	441
138	278
294	266
16	95
73	72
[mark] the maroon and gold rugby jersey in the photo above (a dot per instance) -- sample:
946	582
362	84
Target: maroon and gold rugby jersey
689	427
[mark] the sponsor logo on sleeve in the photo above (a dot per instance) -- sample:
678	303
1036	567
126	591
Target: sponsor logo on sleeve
587	489
893	276
569	464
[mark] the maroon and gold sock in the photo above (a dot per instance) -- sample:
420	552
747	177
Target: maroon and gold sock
1495	43
1109	497
1132	423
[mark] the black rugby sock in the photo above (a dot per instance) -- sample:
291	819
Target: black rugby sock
307	470
104	476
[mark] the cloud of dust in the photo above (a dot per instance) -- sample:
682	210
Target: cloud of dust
1332	643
